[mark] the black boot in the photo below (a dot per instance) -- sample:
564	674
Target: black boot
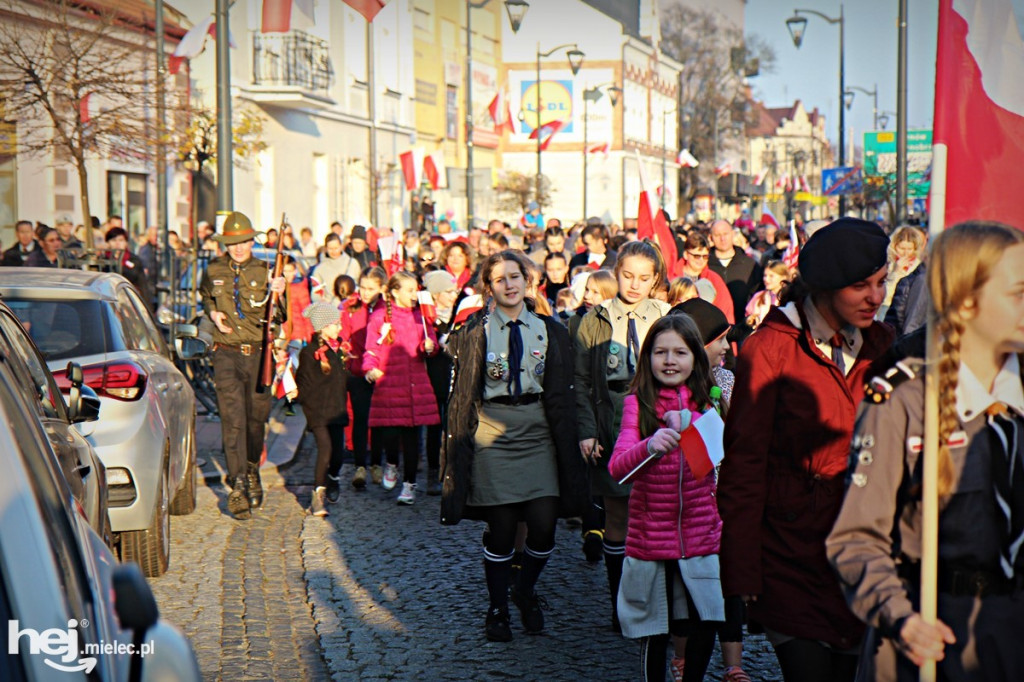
238	499
497	575
524	594
255	486
614	555
497	628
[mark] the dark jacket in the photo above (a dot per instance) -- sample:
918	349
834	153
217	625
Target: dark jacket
787	442
582	257
467	347
322	396
742	277
13	257
909	308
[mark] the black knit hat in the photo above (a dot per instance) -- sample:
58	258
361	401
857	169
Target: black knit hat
842	253
358	232
710	320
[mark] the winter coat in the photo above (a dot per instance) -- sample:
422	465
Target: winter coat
468	347
322	396
787	439
403	396
329	270
298	327
742	276
353	332
672	515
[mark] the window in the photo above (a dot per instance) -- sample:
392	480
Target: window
126	197
47	395
155	339
452	111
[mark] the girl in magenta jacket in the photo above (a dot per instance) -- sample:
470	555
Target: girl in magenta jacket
674	528
397	345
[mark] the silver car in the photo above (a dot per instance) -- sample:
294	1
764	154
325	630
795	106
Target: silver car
146	433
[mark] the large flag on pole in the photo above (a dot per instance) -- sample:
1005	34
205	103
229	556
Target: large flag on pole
501	113
546	132
368	8
278	15
979	109
412	168
434	170
651	223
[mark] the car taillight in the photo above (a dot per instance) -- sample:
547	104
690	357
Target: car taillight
118	380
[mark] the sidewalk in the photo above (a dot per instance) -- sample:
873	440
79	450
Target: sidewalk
283	439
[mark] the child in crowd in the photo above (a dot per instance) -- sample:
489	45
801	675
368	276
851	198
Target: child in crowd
681	289
321	379
776	276
976	279
671	572
397	343
344	287
355	315
297	328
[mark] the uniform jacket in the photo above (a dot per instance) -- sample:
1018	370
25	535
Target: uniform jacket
787	440
217	290
353	331
322	396
403	396
468	347
672	515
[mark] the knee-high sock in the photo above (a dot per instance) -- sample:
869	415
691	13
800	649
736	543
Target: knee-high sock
533	564
496	571
614	555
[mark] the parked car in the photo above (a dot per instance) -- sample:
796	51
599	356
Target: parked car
146	437
68	606
80	464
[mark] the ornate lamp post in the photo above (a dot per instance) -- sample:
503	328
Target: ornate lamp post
849	95
575	62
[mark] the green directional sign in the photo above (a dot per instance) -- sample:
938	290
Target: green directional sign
880	158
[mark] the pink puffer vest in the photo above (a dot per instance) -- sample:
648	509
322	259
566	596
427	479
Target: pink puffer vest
672	515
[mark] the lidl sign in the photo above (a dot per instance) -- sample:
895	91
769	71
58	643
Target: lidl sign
555	104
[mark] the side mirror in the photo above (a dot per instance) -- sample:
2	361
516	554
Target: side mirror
74	375
88	407
134	603
193	341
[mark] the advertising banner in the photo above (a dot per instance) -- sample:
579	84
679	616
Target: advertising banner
880	158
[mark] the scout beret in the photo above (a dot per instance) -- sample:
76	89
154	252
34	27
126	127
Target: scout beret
842	253
321	314
710	320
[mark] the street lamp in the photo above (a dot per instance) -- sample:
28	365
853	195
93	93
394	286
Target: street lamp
849	94
594	94
883	118
664	154
797	25
575	61
516	11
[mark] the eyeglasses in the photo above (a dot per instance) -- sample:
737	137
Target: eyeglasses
698	256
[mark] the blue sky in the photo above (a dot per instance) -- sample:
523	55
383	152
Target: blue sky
811	73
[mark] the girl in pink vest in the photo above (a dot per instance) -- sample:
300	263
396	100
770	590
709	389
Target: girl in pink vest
670	573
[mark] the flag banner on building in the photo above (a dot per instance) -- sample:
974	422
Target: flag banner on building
759	178
651	223
979	109
281	16
368	8
546	132
687	160
192	44
784	183
703	444
501	113
842	180
803	184
412	168
599	148
84	115
723	170
435	171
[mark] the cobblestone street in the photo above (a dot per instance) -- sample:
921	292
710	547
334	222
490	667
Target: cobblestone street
376	591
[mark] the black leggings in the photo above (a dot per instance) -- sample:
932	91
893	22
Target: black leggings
330	449
540	516
404	438
807	660
360	392
653	649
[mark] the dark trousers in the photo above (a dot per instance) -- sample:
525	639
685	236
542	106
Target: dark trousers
243	411
360	392
404	438
806	660
330	451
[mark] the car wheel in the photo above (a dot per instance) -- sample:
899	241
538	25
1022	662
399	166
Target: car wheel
185	498
150	548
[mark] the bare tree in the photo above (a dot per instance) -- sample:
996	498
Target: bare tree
712	100
516	190
78	79
197	144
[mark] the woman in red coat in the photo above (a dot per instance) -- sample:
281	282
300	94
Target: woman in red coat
799	379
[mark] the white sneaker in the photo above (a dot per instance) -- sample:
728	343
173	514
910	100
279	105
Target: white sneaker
408	494
390	476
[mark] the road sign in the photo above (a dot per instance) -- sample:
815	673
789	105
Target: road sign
880	158
841	180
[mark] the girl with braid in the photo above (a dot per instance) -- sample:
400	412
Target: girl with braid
976	279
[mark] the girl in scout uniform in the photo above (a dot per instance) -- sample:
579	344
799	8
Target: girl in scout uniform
976	279
511	452
607	351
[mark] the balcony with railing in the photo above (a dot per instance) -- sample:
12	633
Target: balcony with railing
291	69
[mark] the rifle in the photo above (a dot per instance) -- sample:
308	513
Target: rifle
267	352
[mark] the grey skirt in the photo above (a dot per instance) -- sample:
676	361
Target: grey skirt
642	602
601	482
515	456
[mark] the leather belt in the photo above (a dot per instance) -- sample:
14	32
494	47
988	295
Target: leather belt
525	399
619	386
243	348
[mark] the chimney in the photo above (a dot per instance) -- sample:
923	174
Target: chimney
650	22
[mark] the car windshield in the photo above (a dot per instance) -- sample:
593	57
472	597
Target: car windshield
68	329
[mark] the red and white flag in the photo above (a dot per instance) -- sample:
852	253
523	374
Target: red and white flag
501	113
83	108
702	443
434	170
368	8
791	256
546	132
467	306
600	148
392	254
979	109
651	223
427	307
759	178
281	16
723	170
687	160
804	185
412	168
768	218
783	182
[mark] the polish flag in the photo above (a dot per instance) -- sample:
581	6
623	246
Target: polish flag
979	109
767	218
427	307
191	46
434	170
687	160
600	148
368	8
279	18
804	185
412	168
783	182
702	443
546	132
83	108
501	113
467	306
723	170
759	178
650	221
791	255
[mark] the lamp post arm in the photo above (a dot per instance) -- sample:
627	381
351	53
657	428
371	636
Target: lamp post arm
831	20
550	52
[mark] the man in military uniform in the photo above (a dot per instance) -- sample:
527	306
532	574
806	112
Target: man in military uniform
235	296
